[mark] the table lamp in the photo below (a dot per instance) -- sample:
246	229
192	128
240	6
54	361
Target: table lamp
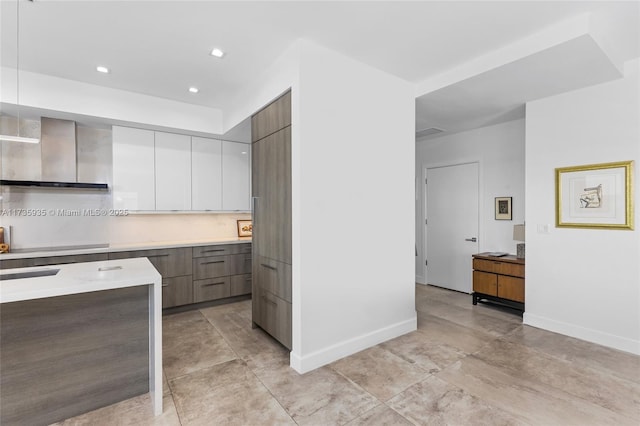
518	235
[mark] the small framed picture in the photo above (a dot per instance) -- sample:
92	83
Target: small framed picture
245	228
595	196
503	208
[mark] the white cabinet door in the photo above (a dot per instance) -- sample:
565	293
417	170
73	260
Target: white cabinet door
173	171
133	169
236	176
206	174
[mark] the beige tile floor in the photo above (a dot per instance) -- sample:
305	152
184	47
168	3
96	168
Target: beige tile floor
465	365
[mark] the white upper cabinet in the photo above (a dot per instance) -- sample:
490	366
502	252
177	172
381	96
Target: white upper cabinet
206	174
158	171
133	169
173	171
236	176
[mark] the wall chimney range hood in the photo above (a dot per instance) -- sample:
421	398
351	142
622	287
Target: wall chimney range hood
58	154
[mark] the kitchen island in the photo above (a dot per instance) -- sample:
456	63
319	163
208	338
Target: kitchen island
86	336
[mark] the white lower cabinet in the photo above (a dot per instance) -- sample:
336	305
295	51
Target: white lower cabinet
133	169
206	174
173	171
236	176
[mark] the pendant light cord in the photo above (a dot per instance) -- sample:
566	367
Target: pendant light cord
18	62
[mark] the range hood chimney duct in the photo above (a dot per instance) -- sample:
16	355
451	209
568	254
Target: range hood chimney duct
58	145
59	158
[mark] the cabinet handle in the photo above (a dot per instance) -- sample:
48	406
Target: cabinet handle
109	268
209	285
165	285
213	261
269	267
248	259
158	255
207	251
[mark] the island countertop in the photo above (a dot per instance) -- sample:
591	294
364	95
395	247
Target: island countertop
111	248
78	278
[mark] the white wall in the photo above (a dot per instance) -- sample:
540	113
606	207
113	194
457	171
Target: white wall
353	283
499	150
583	282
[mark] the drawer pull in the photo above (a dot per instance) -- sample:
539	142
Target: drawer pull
247	279
158	255
209	285
208	251
165	285
109	268
213	261
269	267
248	259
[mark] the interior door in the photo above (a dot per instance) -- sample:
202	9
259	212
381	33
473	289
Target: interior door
451	227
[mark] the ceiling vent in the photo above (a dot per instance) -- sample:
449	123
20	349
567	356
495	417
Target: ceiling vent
428	132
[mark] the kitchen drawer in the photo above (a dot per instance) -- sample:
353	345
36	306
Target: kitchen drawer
272	118
240	284
239	264
503	268
177	291
14	263
210	267
173	262
511	288
60	260
484	282
273	276
215	250
275	316
211	289
244	248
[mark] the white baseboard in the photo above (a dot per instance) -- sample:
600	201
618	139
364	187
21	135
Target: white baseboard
590	335
306	363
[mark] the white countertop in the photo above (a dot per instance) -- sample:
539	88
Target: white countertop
152	245
78	278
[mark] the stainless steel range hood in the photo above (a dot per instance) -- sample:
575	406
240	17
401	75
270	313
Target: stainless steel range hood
59	162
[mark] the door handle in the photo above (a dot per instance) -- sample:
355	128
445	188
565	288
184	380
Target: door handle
473	240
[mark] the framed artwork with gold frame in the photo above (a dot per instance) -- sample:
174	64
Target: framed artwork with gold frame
596	196
245	228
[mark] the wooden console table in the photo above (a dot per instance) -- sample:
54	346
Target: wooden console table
498	279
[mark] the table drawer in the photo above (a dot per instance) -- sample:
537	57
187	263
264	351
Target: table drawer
497	267
484	282
511	288
211	289
210	267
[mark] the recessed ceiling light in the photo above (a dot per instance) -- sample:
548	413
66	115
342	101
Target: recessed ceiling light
102	69
217	53
194	89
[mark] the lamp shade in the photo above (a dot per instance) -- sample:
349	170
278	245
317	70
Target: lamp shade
518	232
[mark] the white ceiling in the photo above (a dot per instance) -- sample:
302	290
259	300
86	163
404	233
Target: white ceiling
161	48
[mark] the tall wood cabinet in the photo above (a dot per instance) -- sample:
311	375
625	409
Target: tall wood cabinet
271	186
